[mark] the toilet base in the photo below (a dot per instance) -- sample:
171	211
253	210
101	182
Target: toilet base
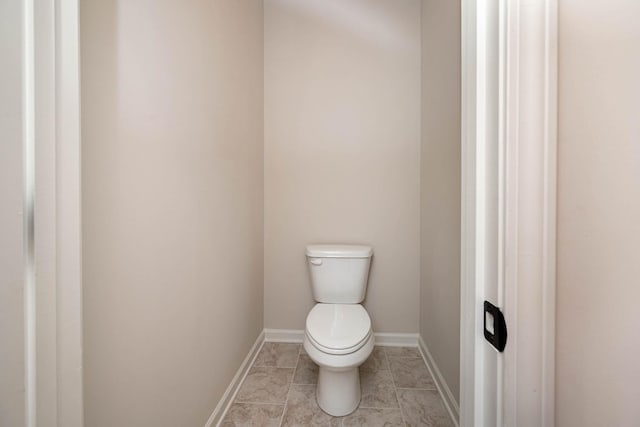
338	390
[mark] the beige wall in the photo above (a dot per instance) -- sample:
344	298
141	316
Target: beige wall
11	224
440	185
598	321
172	205
342	150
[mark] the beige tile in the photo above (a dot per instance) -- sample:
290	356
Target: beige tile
282	355
410	373
302	409
265	384
377	390
374	417
423	408
376	361
306	371
412	352
253	414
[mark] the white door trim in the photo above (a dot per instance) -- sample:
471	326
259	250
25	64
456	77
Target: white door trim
527	207
58	241
481	46
68	204
530	203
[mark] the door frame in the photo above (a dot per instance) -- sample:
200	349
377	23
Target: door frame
52	89
526	210
529	41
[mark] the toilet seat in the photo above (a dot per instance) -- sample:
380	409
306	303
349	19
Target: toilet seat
338	328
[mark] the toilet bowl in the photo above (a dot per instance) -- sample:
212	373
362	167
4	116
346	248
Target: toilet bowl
338	335
338	338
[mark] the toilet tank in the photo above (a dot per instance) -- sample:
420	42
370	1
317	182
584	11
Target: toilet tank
339	273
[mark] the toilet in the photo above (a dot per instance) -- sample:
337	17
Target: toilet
338	335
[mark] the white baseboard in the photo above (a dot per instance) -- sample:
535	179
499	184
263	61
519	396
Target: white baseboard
443	388
230	393
284	335
382	338
390	339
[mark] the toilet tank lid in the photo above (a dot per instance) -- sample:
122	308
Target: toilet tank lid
339	251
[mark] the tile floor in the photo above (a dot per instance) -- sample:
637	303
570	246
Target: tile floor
279	390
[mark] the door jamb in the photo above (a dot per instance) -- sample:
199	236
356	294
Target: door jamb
528	209
58	241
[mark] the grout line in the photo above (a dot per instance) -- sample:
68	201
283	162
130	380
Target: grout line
258	403
417	388
286	405
405	357
395	389
384	408
286	400
295	369
379	407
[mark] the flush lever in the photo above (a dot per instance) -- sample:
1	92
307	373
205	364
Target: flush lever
315	261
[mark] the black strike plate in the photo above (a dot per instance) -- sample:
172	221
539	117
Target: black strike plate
499	336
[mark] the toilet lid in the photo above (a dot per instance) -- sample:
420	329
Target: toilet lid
338	326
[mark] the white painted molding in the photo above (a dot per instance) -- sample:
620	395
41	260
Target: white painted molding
58	242
68	215
441	384
391	339
530	203
45	217
388	339
28	151
284	335
232	390
527	86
